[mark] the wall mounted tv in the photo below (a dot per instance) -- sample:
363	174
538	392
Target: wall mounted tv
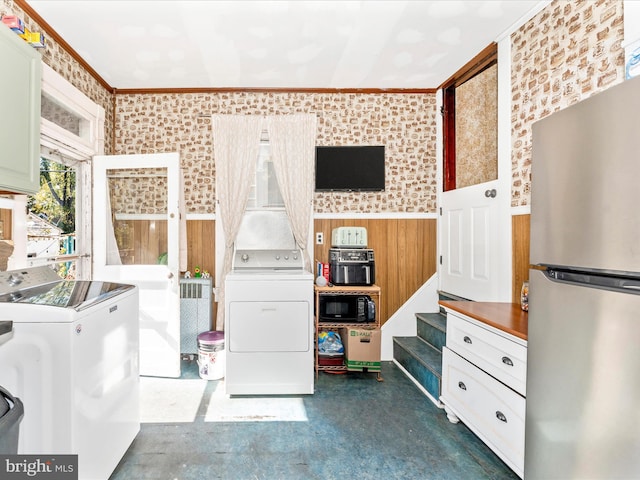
357	168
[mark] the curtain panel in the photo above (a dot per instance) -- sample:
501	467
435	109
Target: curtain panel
236	143
236	140
292	139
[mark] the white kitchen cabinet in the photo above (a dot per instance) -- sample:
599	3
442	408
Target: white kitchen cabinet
497	353
483	383
20	86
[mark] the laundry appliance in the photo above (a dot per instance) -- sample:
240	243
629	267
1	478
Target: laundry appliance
269	324
73	362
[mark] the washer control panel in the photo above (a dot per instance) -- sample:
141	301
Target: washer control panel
268	260
14	280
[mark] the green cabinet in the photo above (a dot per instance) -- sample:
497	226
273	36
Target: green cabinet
20	85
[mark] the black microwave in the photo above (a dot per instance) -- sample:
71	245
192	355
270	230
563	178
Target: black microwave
346	308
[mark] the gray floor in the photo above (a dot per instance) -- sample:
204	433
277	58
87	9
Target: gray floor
357	428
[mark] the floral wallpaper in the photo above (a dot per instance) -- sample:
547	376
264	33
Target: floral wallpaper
69	68
477	129
567	52
404	123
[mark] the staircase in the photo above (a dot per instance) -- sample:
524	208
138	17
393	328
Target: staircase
421	356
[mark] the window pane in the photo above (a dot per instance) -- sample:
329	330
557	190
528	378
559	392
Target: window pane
477	129
265	191
55	112
139	212
51	221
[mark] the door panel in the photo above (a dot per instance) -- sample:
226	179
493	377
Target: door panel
141	246
471	246
480	222
456	234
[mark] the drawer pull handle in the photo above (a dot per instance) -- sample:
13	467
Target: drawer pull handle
500	416
467	340
507	361
462	386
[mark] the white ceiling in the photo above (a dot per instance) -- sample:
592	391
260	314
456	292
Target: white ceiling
135	44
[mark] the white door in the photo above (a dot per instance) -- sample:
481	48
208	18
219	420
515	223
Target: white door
474	239
475	221
136	240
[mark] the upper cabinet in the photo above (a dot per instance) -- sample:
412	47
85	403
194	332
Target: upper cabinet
20	114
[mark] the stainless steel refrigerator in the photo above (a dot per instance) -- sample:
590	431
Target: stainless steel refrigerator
583	367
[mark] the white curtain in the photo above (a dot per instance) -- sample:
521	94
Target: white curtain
292	139
236	143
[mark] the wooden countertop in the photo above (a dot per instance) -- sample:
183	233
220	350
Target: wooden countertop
508	317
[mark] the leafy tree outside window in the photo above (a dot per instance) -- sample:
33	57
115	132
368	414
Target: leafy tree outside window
55	203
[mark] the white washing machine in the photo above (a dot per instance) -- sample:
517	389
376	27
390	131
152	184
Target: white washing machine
73	361
269	334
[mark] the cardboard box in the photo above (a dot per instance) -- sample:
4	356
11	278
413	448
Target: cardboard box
362	348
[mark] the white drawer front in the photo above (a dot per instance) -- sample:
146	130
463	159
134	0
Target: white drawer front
495	412
497	355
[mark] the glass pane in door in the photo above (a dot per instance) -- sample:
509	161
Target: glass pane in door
476	136
138	199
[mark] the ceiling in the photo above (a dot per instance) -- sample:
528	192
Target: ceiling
371	44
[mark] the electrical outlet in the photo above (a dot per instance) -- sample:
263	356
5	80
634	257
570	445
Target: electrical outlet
319	238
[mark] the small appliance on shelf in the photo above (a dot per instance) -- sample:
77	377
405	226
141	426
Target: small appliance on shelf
349	237
350	261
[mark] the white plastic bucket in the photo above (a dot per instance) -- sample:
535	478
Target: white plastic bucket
211	355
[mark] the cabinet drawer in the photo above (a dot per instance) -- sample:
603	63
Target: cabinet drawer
493	411
491	351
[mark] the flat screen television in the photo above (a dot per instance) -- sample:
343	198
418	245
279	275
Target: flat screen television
357	168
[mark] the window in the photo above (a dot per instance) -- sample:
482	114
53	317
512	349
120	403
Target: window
470	115
71	132
265	191
265	223
51	218
53	111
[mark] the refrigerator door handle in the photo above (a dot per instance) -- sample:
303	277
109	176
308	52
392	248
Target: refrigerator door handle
620	282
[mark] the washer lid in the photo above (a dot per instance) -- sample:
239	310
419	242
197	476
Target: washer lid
76	294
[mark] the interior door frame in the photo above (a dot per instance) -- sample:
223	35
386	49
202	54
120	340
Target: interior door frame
502	264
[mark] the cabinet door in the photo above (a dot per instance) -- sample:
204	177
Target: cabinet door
20	114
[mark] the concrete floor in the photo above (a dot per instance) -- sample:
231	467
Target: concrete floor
353	427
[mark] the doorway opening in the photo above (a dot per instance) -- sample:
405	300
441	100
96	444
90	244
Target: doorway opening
51	218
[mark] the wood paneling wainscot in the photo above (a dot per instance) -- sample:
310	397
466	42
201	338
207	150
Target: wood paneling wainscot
201	245
201	250
5	218
405	255
145	240
520	225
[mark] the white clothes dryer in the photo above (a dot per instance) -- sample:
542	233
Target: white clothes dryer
269	332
